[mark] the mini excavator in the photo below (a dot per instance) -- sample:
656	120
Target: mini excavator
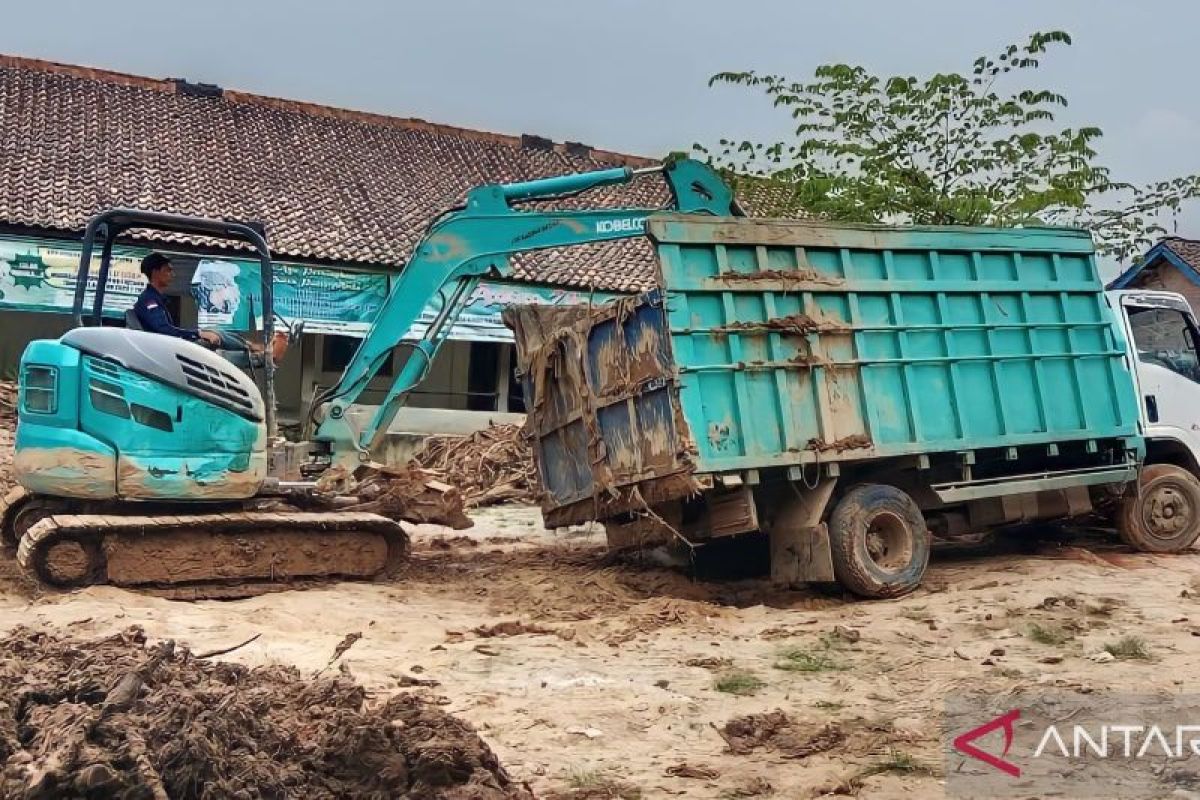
146	460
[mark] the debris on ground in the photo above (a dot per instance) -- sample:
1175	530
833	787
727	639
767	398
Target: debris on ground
8	401
595	786
121	717
686	770
489	467
710	662
745	733
847	634
404	494
514	688
777	731
446	543
510	628
581	730
755	787
345	644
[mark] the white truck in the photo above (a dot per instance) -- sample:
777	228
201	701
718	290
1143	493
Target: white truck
1162	334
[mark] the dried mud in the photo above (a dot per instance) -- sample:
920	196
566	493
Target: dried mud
8	427
798	324
597	677
121	717
785	276
204	555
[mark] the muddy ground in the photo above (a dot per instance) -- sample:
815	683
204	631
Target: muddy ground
595	677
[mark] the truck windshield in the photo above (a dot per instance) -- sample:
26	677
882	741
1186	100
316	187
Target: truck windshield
1164	337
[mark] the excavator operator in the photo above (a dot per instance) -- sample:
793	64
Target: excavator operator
152	314
151	306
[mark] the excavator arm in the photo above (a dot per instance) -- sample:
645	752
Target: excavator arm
463	246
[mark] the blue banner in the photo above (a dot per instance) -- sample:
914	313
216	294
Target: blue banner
329	301
41	276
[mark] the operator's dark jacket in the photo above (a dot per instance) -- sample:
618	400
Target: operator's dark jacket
151	311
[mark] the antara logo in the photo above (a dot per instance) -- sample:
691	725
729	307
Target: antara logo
1005	722
626	225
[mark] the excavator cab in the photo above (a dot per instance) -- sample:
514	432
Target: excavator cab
109	413
105	228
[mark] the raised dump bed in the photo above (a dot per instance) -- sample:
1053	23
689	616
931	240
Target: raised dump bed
977	372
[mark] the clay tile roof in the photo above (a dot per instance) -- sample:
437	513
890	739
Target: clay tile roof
329	184
1187	249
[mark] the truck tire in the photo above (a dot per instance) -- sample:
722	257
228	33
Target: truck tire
879	541
1164	515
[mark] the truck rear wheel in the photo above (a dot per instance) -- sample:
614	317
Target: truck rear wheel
879	541
1164	515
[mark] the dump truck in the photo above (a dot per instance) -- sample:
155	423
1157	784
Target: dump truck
857	392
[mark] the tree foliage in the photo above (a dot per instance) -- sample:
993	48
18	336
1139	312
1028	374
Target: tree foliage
947	149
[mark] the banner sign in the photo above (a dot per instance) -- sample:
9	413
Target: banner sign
346	303
480	320
329	301
40	276
35	276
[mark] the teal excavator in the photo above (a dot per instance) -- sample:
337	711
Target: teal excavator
149	460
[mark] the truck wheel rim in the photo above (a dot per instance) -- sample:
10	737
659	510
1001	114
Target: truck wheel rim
1167	512
889	542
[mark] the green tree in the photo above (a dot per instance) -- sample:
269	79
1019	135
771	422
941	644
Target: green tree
947	149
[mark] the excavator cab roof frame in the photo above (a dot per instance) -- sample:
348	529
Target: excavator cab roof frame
111	224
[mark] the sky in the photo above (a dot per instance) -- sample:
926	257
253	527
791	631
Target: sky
632	76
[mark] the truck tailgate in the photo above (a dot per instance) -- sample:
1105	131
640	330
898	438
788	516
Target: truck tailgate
605	418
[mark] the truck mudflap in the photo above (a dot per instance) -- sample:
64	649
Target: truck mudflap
608	432
800	550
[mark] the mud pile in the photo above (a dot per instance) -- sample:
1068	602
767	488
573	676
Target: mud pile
489	467
408	494
119	717
8	429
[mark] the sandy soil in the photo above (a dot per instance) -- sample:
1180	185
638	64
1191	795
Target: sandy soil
597	678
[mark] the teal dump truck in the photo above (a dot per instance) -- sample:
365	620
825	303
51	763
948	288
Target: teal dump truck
854	392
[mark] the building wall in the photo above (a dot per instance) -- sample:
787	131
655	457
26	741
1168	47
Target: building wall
303	371
444	387
468	380
1164	277
19	328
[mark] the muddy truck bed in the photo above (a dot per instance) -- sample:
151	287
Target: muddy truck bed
782	353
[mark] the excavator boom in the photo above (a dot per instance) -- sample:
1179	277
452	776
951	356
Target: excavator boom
465	245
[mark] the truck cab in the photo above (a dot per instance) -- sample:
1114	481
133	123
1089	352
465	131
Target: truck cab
1162	336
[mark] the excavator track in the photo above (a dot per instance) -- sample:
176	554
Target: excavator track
70	550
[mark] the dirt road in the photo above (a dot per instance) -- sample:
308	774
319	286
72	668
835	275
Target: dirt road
598	679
